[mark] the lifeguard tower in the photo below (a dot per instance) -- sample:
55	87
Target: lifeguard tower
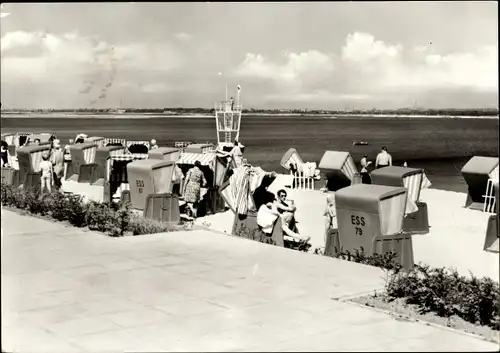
228	119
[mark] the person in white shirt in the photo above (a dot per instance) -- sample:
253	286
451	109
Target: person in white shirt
384	159
365	176
153	144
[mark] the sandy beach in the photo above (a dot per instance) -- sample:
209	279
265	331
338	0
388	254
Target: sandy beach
455	240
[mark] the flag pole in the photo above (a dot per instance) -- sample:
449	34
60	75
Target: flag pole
238	96
226	91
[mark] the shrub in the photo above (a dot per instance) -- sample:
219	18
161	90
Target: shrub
76	210
446	293
36	202
386	261
437	290
114	219
138	225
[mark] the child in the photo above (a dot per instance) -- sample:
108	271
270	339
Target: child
47	173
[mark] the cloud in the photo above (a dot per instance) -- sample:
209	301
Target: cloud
363	48
184	37
297	70
82	65
366	67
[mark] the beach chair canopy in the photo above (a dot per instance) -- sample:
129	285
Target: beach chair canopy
481	166
45	138
365	197
476	173
291	157
115	142
100	141
339	169
8	138
214	165
200	148
80	138
29	157
165	153
207	159
140	147
83	153
410	178
116	166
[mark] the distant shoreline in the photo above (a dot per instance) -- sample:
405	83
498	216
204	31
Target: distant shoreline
19	115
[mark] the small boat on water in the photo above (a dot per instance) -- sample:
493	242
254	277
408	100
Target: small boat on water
360	143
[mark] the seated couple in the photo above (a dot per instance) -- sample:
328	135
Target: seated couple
269	212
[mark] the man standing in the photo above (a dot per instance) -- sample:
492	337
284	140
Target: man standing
384	159
57	159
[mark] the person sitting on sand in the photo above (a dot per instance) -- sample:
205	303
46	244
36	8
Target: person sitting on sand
267	215
47	172
282	205
384	159
154	145
287	213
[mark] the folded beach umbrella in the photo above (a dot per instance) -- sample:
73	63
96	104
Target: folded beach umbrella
238	191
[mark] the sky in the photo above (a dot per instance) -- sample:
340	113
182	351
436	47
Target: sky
323	55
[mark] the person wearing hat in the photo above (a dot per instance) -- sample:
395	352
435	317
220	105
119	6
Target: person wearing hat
57	159
47	173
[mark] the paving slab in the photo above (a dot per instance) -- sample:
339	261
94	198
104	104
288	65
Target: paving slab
189	291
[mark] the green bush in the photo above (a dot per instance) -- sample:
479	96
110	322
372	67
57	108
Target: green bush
114	219
436	290
386	261
446	293
140	225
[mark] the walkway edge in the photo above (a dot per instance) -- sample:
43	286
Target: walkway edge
418	321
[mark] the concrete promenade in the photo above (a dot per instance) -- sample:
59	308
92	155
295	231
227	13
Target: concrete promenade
66	290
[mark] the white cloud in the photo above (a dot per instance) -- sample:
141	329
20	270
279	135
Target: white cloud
183	36
363	48
367	67
297	70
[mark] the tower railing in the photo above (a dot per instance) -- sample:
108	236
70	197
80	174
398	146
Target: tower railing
228	107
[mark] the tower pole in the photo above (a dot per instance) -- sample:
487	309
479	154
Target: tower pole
238	94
